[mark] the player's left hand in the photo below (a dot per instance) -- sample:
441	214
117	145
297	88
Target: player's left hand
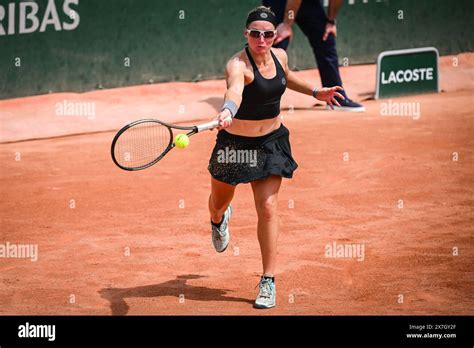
330	29
327	95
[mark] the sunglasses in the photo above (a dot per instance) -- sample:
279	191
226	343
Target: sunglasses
267	34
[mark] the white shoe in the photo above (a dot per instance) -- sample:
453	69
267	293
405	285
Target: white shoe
267	295
221	235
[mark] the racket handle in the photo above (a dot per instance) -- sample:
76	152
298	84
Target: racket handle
208	125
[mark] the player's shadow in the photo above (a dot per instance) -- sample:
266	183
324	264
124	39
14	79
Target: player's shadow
175	287
215	102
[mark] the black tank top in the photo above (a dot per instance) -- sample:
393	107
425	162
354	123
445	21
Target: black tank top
261	97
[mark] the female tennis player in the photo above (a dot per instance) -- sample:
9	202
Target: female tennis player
252	144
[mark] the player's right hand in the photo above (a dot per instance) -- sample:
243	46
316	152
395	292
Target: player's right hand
224	118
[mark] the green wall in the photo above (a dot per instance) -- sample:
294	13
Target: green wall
162	46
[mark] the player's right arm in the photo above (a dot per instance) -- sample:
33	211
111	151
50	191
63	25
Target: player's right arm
235	80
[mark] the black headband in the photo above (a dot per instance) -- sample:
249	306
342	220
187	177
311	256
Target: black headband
260	15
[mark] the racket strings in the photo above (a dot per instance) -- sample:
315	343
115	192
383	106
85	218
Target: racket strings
142	144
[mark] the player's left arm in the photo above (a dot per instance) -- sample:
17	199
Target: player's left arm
297	84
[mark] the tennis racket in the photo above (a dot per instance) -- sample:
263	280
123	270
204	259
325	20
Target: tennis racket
143	143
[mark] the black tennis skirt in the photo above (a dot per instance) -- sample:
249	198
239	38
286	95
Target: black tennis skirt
238	159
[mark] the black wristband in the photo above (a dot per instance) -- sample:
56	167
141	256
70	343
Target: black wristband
332	21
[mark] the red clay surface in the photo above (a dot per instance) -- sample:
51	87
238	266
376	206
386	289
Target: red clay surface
160	214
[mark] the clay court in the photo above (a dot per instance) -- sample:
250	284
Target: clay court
112	242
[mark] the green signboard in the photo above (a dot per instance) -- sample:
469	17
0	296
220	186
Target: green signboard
405	72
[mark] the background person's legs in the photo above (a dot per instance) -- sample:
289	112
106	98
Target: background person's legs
311	18
265	194
219	199
278	7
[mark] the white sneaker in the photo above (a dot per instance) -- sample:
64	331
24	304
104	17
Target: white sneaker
267	295
221	235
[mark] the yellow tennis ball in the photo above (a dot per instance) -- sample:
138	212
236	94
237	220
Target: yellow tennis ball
181	141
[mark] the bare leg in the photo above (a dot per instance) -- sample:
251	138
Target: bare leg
220	198
265	194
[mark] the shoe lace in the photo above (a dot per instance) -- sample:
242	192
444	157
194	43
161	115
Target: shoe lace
220	231
265	287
